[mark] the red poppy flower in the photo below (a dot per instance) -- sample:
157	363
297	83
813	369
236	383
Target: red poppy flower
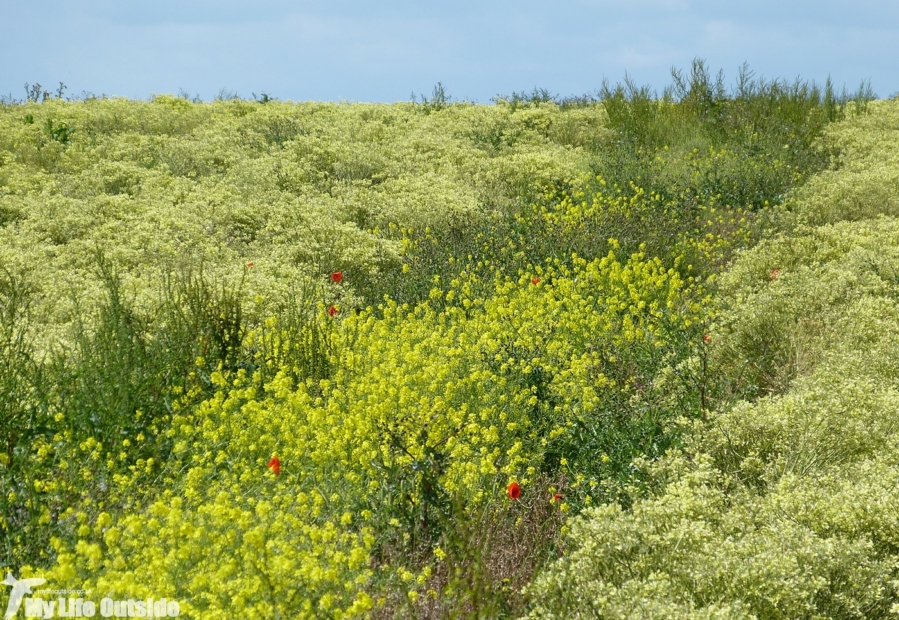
535	281
514	491
557	497
275	465
332	311
337	277
775	273
249	265
707	339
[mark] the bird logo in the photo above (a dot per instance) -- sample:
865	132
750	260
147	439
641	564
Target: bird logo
20	587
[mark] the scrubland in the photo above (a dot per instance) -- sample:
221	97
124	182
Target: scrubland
617	356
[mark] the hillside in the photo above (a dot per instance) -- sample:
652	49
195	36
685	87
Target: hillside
436	359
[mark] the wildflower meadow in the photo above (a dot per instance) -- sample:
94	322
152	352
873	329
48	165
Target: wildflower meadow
625	355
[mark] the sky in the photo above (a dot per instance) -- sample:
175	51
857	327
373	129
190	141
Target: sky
384	51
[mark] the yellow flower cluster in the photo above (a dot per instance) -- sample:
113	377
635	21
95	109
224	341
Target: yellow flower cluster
424	406
229	537
702	229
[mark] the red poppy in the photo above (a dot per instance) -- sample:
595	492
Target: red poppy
275	465
557	497
514	491
775	273
535	281
337	277
332	311
707	339
249	265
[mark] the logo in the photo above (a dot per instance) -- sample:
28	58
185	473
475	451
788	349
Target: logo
68	607
20	587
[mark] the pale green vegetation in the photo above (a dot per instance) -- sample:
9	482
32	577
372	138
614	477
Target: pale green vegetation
781	504
865	180
300	190
436	359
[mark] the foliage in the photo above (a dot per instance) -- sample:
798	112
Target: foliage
861	183
294	360
777	506
696	166
424	419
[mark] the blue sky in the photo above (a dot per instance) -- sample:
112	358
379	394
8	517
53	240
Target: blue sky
385	51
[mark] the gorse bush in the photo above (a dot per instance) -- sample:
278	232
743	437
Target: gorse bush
305	360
